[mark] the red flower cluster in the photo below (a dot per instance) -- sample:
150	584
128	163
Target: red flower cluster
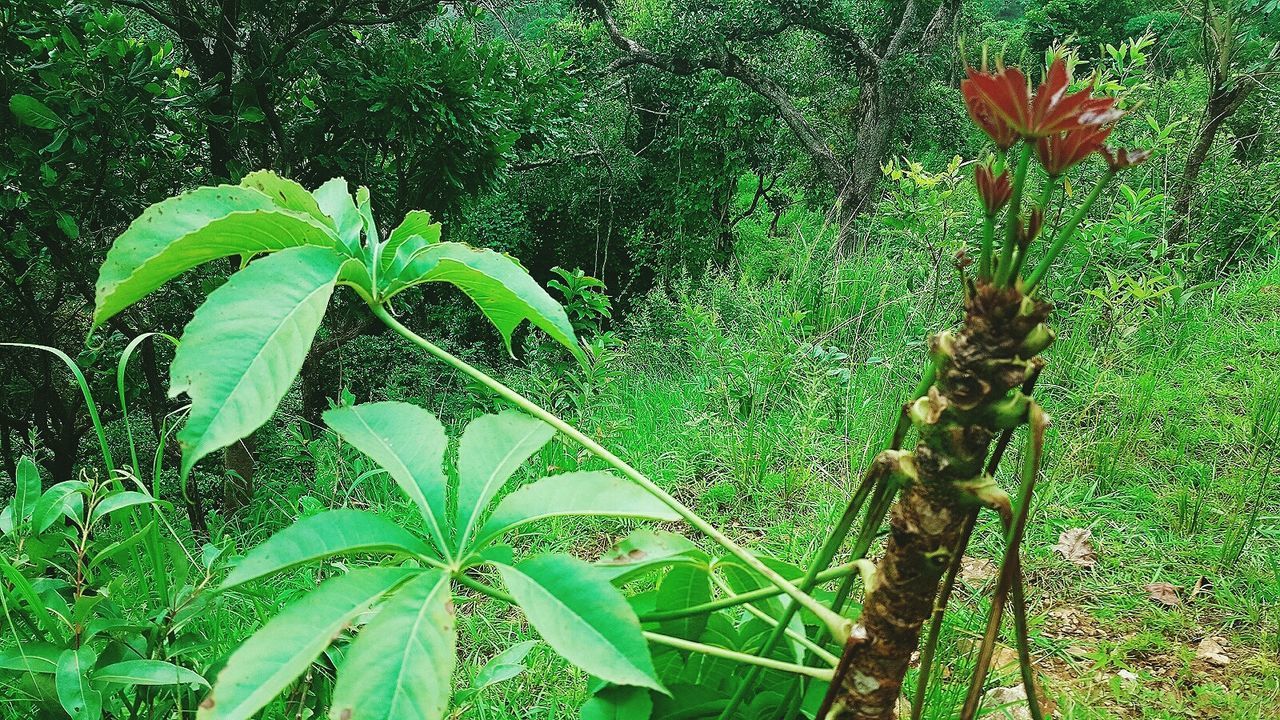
1001	104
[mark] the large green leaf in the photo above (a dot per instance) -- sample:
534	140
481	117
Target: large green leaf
286	194
583	617
272	657
81	701
245	345
576	493
31	111
61	499
334	199
335	532
147	672
491	449
503	290
645	550
400	666
416	223
182	232
409	443
683	587
35	657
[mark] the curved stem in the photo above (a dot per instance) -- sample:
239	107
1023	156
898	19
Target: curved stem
838	626
772	622
750	596
747	658
1010	565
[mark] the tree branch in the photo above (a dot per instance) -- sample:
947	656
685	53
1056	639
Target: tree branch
730	65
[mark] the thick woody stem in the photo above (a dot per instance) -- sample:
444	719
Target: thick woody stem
975	398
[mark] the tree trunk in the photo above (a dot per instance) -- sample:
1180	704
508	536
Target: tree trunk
972	400
857	195
1221	106
222	63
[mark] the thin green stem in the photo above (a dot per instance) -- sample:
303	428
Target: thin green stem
769	620
872	480
837	625
746	658
1020	632
1067	233
763	593
1042	204
1011	219
1010	564
988	243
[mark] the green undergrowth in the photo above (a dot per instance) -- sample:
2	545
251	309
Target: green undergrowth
757	393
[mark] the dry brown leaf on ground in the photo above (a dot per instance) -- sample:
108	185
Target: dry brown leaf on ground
1163	594
1211	650
976	571
1203	586
1076	546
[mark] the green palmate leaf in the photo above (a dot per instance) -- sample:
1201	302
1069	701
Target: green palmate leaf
400	666
31	111
147	672
416	223
286	194
245	345
119	501
645	550
497	284
287	645
335	532
334	199
684	586
71	679
409	443
577	493
618	703
27	490
491	449
182	232
583	618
